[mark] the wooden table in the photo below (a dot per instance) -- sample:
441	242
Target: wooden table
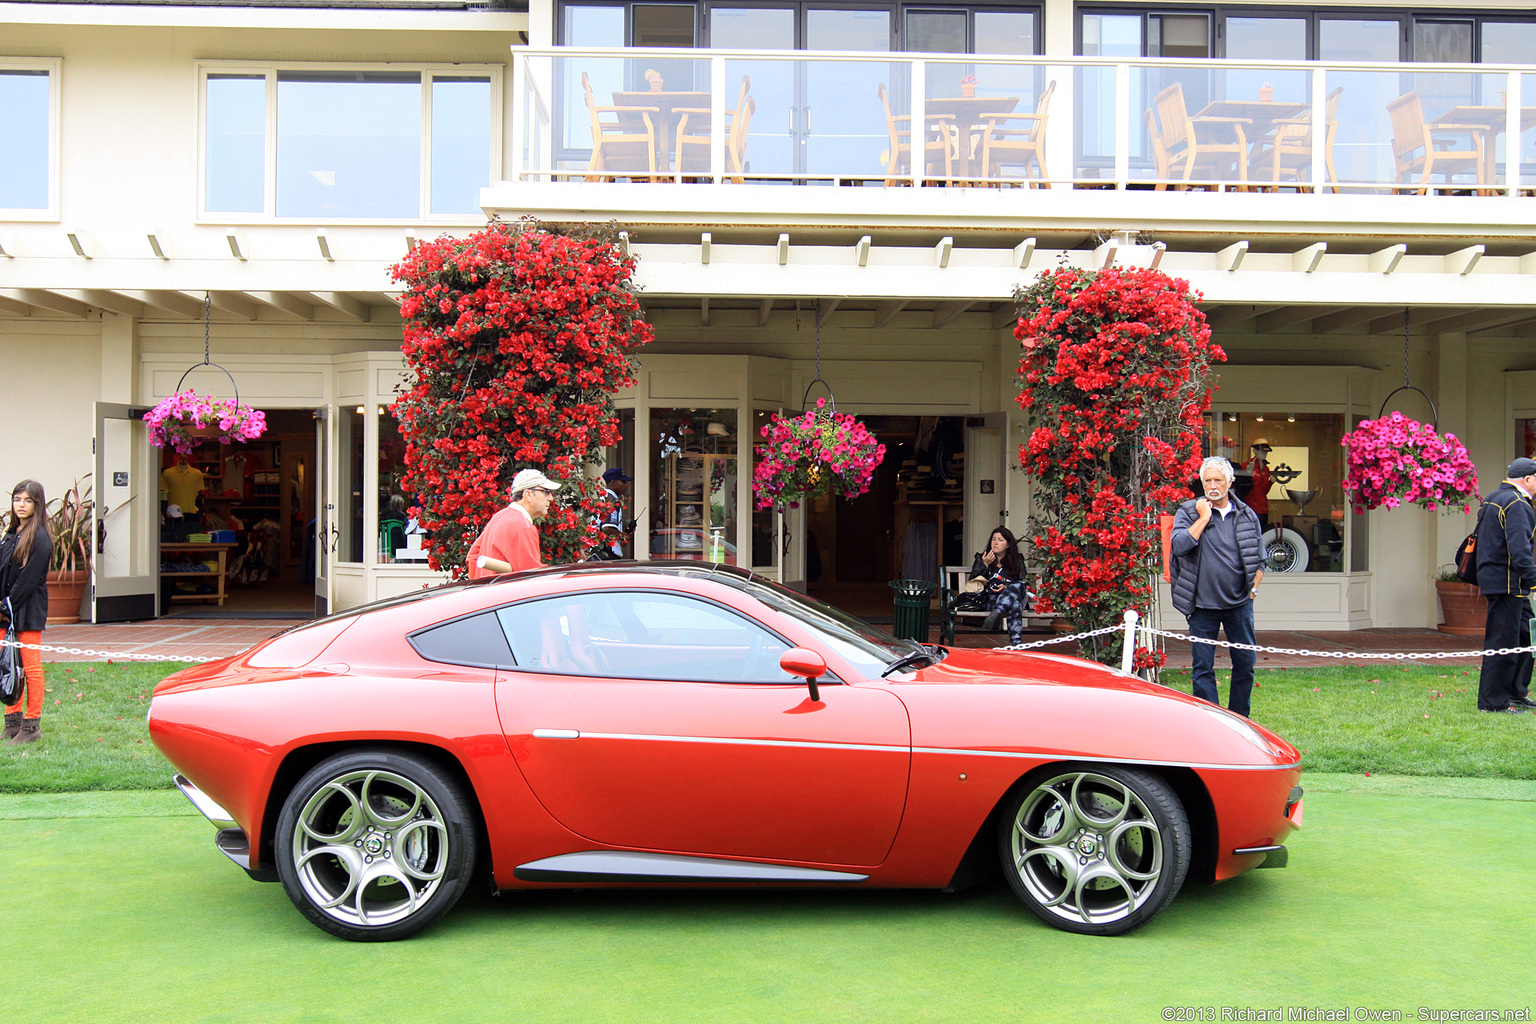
198	552
969	114
1262	113
668	104
1489	122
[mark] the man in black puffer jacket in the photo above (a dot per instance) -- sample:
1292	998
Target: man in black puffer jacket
1506	574
1216	564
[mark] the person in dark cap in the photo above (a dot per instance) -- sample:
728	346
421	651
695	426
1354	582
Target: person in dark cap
1506	574
616	527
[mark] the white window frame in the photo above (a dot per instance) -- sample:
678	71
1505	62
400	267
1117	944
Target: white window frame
55	67
269	70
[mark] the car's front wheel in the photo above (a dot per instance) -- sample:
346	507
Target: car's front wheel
1099	850
375	845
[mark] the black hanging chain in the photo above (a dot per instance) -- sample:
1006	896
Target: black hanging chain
1406	317
207	317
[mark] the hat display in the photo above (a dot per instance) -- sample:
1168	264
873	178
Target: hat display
1261	443
615	473
532	478
1522	467
718	429
173	511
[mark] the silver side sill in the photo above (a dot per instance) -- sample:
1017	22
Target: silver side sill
233	843
210	810
622	866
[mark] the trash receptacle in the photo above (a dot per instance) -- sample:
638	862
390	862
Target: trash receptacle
912	597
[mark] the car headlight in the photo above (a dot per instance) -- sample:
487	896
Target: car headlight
1244	728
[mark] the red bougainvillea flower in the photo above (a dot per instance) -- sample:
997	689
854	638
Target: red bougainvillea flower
1114	370
517	338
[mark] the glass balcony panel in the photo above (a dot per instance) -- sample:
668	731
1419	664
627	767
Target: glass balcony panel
1094	118
990	114
1527	99
843	124
641	103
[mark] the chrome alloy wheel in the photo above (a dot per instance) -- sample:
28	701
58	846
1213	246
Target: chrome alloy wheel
370	848
1086	849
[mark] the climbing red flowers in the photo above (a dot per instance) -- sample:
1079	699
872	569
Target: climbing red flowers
1115	378
517	338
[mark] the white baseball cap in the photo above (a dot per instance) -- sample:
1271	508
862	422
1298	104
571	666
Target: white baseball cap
532	478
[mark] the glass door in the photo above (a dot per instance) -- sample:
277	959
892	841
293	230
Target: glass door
325	535
125	569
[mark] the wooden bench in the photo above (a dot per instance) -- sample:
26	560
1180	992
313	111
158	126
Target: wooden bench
951	586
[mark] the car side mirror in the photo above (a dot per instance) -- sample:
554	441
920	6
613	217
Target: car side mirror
806	663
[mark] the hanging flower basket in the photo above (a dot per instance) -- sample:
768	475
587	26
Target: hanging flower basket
187	419
819	452
1395	460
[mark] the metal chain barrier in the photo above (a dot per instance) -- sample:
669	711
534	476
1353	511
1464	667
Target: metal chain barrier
1364	656
111	655
1060	639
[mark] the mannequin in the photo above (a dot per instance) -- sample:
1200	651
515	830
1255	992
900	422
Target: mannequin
181	484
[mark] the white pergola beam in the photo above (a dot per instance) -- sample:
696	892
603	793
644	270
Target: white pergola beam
1230	258
886	310
861	250
763	309
824	310
1344	318
944	312
1306	261
1280	319
704	311
14	306
233	303
705	241
1384	261
343	303
1481	320
42	298
1004	314
81	241
112	302
168	302
942	251
323	241
284	302
1462	261
783	246
1023	253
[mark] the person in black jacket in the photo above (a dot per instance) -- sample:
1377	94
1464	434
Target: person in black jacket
1001	570
1216	564
25	549
1506	574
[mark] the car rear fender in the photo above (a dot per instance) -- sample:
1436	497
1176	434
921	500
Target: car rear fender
298	761
980	864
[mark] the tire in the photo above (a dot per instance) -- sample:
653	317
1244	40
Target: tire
1094	849
374	845
1285	550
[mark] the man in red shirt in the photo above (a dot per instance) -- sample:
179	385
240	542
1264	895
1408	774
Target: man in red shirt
510	542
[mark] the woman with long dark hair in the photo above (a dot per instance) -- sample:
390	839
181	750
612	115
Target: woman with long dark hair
25	549
1001	570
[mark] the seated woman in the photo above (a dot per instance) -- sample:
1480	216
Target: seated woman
1001	570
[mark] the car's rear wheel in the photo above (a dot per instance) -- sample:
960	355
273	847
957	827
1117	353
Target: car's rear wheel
1095	849
375	845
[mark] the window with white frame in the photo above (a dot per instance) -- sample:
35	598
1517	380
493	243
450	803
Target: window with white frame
370	143
28	135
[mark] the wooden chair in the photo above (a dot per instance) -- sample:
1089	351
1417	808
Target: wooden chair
1182	145
938	143
1020	146
623	140
1289	149
1427	149
694	136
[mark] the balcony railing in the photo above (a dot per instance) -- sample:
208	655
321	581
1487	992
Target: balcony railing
884	119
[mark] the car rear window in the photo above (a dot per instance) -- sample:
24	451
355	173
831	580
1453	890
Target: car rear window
475	640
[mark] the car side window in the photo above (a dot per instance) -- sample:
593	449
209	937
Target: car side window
474	640
642	635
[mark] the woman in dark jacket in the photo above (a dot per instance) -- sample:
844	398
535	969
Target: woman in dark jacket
1001	570
25	549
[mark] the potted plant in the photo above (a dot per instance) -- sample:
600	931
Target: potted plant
1463	607
968	86
653	79
806	456
69	527
186	419
1395	460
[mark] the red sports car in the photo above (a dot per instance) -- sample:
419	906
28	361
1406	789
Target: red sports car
690	724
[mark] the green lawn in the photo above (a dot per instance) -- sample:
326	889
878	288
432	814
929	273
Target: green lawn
129	914
1391	720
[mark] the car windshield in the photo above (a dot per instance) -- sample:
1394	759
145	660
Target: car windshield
864	646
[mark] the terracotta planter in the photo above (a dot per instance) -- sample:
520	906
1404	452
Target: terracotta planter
1463	607
968	91
66	590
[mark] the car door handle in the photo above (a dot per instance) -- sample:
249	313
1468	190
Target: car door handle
556	734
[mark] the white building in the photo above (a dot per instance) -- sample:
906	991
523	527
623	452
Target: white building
278	159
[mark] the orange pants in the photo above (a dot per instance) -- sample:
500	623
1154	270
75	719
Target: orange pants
32	661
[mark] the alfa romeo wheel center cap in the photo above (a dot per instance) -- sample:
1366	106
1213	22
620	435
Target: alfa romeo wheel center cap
373	845
1087	846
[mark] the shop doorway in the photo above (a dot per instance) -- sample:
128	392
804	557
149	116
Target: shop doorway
237	533
908	525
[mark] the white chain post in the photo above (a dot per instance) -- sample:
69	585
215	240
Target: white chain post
1128	649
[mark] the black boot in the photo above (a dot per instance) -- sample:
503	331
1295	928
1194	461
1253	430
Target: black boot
992	621
12	725
26	734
